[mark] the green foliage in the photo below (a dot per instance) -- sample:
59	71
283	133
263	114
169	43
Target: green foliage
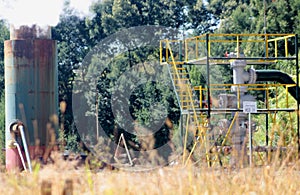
77	35
2	128
4	35
117	14
247	16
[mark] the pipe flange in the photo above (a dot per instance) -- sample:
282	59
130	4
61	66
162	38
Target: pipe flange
252	76
238	63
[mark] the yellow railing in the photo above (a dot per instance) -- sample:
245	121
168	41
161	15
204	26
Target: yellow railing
188	98
252	45
264	88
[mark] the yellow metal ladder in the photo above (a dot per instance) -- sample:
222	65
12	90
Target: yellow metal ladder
183	88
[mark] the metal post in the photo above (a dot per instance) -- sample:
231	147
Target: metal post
297	91
207	75
250	139
265	19
97	113
267	131
180	51
265	28
181	129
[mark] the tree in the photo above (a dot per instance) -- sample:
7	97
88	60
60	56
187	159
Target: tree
117	14
73	43
4	35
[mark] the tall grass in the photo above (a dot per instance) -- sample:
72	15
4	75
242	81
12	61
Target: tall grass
166	180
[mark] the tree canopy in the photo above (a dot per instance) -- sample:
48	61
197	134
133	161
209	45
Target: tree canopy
77	35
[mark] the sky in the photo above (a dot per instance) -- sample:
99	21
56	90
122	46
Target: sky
41	12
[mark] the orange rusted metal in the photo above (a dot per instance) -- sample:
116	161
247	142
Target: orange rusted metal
31	82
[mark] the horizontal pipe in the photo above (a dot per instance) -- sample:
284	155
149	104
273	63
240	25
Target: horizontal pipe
278	76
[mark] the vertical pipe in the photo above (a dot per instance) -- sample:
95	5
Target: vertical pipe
25	147
265	28
186	49
265	19
286	47
200	89
267	46
267	130
276	49
196	48
97	113
207	75
238	97
250	139
181	128
180	51
167	51
297	90
160	51
237	46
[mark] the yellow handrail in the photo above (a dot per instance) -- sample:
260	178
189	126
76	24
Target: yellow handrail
252	87
271	50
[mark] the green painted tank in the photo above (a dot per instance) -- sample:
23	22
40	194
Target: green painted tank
31	82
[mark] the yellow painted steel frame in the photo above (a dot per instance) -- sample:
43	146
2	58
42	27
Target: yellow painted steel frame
266	39
229	130
270	42
198	126
251	87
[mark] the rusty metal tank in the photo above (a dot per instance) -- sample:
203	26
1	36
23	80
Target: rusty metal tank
31	93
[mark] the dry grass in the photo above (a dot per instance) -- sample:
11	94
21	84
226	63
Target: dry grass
167	180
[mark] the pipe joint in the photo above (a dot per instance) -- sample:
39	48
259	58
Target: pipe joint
252	76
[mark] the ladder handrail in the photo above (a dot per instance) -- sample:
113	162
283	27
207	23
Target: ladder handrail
188	89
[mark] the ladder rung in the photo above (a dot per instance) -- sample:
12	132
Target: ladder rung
183	73
184	79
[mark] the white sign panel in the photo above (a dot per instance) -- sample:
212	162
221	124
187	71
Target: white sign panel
249	107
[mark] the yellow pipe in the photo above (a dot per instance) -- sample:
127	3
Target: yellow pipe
167	51
276	49
286	47
281	38
267	98
186	49
229	129
194	146
249	35
200	89
233	41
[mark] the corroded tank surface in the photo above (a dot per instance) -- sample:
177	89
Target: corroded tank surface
31	81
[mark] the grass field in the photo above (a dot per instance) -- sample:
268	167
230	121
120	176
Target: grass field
60	177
